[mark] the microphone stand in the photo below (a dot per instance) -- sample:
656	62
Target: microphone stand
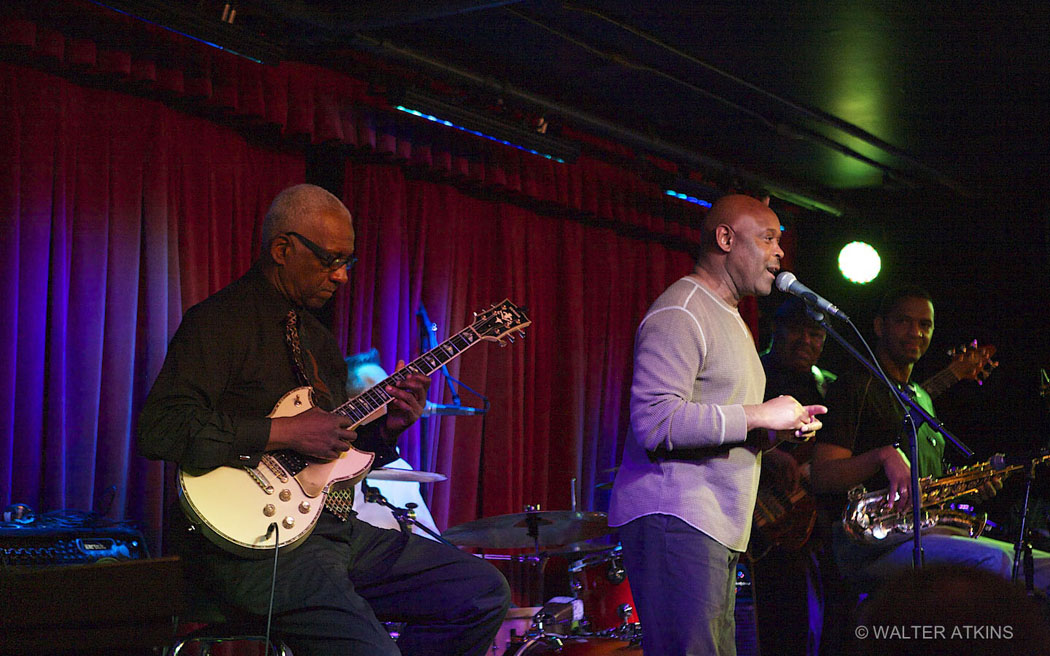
429	341
909	406
406	517
1023	546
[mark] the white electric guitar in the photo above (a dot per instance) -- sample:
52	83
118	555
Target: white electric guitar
235	507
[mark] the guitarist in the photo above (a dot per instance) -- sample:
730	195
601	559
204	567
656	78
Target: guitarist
230	361
787	582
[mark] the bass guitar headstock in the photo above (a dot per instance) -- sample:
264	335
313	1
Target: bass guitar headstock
973	362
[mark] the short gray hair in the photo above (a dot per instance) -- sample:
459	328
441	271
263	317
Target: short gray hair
293	207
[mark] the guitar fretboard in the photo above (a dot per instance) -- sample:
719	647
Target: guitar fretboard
492	324
363	405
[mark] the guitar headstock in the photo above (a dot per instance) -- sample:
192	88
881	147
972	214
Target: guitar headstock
973	362
499	321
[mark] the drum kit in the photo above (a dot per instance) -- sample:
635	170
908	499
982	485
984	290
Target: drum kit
593	619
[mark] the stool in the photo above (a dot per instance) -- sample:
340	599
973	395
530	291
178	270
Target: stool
219	628
214	634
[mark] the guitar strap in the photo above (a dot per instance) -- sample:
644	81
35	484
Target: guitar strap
339	502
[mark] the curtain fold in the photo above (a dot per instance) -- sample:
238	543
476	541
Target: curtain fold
557	398
118	213
308	104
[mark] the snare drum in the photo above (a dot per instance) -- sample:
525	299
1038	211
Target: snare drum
600	581
576	646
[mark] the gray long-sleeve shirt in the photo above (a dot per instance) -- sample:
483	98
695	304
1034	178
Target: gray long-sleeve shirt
695	367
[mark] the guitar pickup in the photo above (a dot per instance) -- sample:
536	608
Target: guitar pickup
274	466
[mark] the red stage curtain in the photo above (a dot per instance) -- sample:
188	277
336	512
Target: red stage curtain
118	213
558	398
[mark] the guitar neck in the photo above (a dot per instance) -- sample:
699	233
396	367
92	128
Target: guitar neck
374	398
939	383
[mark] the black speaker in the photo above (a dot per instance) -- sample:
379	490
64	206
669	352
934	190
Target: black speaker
99	609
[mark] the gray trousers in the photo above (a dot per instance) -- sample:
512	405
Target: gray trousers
334	591
684	587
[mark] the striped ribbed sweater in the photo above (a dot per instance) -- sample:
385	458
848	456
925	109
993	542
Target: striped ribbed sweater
695	367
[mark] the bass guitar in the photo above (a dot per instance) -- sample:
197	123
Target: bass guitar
238	508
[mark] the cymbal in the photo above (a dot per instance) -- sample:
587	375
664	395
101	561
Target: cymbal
579	549
553	528
410	475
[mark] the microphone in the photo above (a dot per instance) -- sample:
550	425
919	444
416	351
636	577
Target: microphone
441	410
788	283
1002	461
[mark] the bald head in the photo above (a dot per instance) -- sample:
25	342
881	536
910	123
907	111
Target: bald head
730	210
299	208
740	250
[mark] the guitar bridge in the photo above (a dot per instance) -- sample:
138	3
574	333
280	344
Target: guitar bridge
259	479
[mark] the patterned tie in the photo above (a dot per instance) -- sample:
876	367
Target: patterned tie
338	502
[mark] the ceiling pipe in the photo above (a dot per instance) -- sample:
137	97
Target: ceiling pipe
820	116
620	133
373	14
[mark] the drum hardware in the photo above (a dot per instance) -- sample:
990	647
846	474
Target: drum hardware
408	475
406	517
596	619
600	582
575	646
533	528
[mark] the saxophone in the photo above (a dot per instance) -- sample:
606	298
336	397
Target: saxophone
869	518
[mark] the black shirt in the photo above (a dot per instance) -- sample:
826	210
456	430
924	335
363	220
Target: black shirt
225	370
863	415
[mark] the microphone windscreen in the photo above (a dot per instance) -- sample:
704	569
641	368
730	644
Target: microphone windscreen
784	280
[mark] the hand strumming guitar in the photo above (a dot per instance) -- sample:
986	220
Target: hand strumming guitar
314	433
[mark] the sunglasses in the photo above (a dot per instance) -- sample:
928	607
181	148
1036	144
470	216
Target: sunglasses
329	261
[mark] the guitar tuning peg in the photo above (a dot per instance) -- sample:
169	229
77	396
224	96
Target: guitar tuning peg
521	333
502	343
510	338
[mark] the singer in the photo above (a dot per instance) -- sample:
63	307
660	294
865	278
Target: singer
685	493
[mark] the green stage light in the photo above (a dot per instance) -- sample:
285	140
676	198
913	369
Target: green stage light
859	262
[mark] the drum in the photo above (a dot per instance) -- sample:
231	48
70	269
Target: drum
600	581
515	625
576	646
